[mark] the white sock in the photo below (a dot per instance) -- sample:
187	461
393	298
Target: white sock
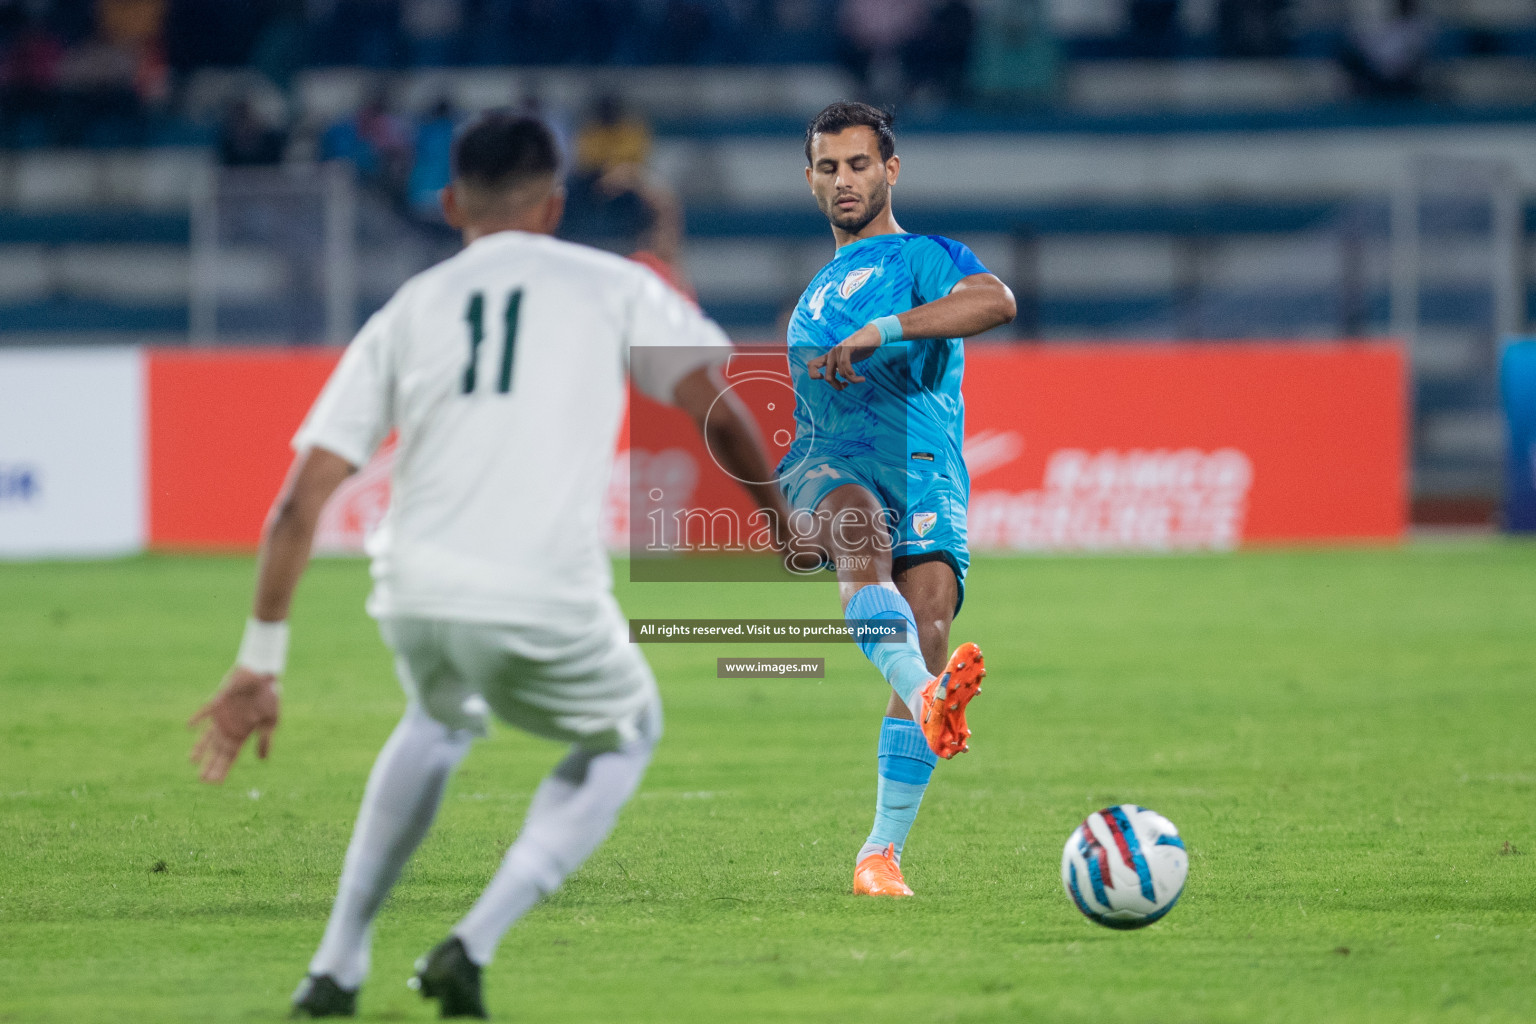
404	789
572	812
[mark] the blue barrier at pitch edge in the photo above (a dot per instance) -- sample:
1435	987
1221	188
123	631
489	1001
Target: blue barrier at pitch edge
1517	381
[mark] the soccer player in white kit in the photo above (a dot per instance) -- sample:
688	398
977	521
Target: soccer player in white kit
502	371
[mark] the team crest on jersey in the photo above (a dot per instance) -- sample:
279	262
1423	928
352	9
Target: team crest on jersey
854	281
922	522
818	299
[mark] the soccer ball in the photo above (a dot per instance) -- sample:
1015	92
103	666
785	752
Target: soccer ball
1124	867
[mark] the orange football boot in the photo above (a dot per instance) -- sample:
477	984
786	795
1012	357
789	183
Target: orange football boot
944	700
880	875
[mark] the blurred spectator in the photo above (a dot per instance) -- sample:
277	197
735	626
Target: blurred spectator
132	24
611	137
612	147
1252	28
1016	61
936	60
246	139
107	81
432	164
658	241
374	141
872	36
136	29
1386	57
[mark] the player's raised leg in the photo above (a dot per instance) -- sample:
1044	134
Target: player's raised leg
933	692
855	534
932	591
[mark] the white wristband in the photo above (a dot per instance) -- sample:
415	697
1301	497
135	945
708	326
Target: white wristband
264	648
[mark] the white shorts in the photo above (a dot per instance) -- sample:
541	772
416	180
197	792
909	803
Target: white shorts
581	682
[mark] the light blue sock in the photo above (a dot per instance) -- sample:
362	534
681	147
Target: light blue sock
906	764
901	663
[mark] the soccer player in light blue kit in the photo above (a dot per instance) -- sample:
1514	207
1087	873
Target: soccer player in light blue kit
876	356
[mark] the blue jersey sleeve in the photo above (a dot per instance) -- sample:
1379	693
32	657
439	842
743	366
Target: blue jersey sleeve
937	264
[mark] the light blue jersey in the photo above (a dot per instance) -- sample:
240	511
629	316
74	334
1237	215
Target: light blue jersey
910	406
900	432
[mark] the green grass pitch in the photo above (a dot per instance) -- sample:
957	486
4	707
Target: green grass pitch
1344	737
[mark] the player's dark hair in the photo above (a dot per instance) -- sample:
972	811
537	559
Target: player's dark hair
501	150
843	115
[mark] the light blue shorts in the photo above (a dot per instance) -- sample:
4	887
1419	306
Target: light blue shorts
928	507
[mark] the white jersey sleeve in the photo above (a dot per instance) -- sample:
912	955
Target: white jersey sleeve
668	339
354	412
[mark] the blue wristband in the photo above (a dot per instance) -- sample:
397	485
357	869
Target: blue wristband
889	328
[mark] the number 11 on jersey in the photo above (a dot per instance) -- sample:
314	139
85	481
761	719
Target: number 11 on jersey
474	315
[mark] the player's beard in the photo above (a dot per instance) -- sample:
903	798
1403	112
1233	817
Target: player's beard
874	206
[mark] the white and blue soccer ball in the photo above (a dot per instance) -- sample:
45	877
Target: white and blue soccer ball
1124	867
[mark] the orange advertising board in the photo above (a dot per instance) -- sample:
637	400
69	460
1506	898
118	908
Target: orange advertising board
1070	447
1186	445
219	426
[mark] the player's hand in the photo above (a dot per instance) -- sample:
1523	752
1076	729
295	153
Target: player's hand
835	366
246	703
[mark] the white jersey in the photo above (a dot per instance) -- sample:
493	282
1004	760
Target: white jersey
502	370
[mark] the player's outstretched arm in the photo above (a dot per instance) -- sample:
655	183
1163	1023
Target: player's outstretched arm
290	530
247	701
977	303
